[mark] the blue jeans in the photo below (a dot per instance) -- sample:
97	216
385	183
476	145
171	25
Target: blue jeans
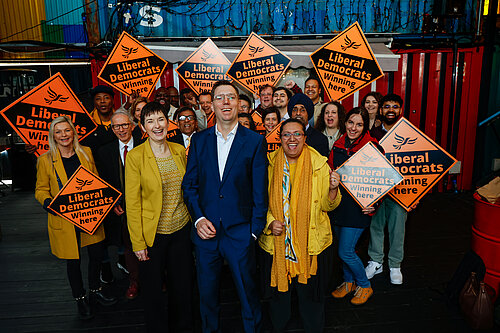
354	270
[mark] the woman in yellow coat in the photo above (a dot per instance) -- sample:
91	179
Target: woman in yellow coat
297	237
159	223
54	168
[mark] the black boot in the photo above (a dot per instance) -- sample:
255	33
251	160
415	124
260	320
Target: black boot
84	309
106	273
97	296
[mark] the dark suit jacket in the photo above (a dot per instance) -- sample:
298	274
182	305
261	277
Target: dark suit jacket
237	205
177	138
318	141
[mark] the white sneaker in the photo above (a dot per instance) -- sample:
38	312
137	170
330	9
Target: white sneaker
373	268
396	276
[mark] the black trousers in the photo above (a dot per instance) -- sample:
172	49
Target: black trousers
75	274
171	253
312	312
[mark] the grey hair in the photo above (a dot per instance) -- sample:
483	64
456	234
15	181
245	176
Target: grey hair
125	113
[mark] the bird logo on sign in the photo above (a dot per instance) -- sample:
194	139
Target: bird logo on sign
403	141
255	49
54	97
128	51
207	55
83	183
366	158
349	44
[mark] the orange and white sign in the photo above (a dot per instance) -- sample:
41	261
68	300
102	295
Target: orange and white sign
259	124
258	63
30	115
420	160
368	175
346	63
85	200
132	67
211	120
204	67
273	139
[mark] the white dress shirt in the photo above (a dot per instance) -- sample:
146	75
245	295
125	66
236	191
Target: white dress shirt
223	147
121	145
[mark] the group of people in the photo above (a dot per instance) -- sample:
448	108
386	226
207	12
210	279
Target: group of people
184	213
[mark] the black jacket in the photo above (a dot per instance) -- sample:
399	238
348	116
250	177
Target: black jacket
317	140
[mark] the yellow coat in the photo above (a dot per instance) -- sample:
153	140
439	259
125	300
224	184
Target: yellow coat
62	234
143	192
320	231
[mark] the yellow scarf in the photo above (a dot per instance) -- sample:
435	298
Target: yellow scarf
95	115
283	270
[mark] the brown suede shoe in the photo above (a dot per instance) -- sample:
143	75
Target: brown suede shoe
344	289
361	295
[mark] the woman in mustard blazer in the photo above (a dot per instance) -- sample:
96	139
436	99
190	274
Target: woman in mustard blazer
158	222
54	168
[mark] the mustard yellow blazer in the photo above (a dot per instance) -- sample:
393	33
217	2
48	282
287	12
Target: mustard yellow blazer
62	234
143	192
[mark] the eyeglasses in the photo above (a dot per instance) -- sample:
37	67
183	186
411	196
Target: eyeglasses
220	97
118	126
296	135
387	107
188	118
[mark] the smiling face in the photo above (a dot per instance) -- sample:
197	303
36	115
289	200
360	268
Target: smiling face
292	140
63	135
312	90
266	97
299	112
187	122
206	104
270	121
390	112
371	105
354	126
162	96
331	116
225	104
280	99
103	102
243	106
138	109
122	127
156	125
245	122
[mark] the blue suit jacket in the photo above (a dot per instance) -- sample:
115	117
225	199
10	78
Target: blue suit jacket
237	205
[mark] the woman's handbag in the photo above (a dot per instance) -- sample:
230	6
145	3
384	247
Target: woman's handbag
476	303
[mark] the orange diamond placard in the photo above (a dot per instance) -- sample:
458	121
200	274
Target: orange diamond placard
368	175
132	67
420	160
258	63
273	139
204	67
30	115
85	200
346	63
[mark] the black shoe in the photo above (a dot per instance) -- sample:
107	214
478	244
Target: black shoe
106	273
97	296
84	309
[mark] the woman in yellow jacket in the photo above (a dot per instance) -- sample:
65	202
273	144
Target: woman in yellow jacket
158	222
54	168
297	238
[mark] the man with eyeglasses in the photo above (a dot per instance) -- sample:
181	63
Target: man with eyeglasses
225	190
389	212
301	107
188	125
110	162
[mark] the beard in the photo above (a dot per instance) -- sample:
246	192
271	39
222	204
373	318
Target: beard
391	120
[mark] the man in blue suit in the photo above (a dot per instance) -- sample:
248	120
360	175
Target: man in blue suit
225	190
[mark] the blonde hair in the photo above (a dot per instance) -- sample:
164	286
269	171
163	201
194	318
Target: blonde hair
53	150
137	101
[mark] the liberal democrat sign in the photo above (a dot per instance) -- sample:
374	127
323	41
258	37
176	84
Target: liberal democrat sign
132	67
